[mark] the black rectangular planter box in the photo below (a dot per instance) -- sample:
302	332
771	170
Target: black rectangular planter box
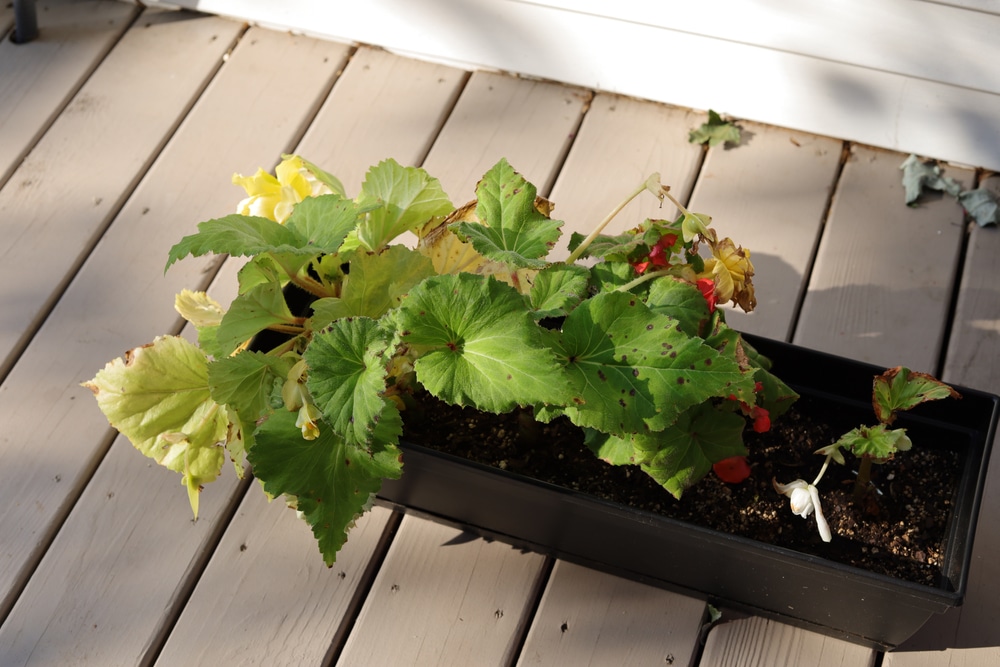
801	589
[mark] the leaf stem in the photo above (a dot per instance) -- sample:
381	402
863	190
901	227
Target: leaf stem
582	248
290	329
312	286
864	478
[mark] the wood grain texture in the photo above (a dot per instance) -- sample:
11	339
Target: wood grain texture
758	642
444	597
266	598
620	143
383	106
530	123
973	355
881	285
590	618
770	195
38	78
54	435
973	360
972	657
98	595
93	155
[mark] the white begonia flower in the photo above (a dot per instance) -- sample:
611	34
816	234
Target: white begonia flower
804	500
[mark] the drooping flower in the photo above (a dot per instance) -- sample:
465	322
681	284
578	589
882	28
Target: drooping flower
732	470
804	501
307	420
274	197
732	271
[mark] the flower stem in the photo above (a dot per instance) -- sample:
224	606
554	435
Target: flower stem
643	278
822	471
582	248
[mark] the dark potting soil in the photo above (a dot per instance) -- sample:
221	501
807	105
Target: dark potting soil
898	530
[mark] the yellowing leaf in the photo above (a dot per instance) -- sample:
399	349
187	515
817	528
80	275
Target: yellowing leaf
199	308
158	397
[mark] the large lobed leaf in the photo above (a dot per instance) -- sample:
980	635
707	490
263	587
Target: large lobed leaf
480	346
158	397
684	453
245	382
398	199
347	369
636	370
330	482
324	222
261	306
238	235
375	284
558	289
511	229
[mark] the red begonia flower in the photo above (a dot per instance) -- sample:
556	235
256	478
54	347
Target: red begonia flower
733	470
761	419
707	288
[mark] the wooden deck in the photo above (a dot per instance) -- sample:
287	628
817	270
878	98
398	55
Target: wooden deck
120	129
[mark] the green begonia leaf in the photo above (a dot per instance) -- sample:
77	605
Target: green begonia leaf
512	231
680	300
262	306
244	383
558	289
609	448
239	235
608	276
684	453
375	284
158	397
324	177
901	389
636	370
876	442
329	481
324	222
481	346
347	369
398	199
715	131
608	247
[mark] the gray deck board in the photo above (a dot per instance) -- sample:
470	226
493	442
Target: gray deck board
116	125
48	457
100	562
38	78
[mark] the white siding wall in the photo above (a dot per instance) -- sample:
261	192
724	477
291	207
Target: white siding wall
910	75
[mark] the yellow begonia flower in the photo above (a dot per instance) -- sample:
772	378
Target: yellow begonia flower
274	197
732	271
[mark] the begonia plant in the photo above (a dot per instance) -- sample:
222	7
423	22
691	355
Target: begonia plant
626	338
